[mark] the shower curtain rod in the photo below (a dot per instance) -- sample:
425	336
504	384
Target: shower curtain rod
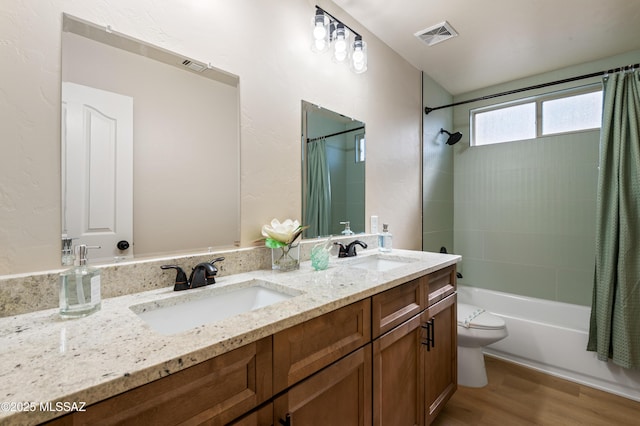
334	134
427	110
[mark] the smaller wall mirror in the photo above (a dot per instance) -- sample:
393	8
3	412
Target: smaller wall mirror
333	172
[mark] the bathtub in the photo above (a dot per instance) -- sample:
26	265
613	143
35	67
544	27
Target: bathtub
551	337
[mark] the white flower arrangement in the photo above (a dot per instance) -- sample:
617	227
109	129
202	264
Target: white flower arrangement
281	234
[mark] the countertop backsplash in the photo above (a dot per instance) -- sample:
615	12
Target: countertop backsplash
24	293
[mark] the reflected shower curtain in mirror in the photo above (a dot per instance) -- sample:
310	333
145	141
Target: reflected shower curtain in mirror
615	313
319	192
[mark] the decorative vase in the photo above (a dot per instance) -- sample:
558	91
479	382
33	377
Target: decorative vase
286	258
320	255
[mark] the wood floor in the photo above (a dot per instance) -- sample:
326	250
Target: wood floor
517	395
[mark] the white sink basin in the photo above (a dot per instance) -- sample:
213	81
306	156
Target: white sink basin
190	310
380	262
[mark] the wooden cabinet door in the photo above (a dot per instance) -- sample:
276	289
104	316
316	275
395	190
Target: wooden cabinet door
398	379
337	395
440	361
211	393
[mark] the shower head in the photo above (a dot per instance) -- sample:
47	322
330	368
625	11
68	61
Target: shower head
453	137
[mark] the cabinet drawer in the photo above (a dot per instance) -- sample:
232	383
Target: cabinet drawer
394	306
213	392
303	349
440	284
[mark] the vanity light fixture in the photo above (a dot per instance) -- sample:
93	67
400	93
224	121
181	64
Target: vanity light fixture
329	32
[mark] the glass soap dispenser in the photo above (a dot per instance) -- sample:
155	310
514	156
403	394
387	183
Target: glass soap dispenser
80	287
384	239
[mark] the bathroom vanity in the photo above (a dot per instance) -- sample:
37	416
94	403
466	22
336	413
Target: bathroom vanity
368	340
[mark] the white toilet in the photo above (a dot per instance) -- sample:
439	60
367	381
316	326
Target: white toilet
476	329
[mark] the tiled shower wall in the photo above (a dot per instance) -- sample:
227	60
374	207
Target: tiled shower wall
437	171
525	216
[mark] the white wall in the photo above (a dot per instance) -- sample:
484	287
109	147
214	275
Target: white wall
267	45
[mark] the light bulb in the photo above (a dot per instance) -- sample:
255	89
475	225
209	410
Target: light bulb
359	56
320	40
319	31
340	43
341	38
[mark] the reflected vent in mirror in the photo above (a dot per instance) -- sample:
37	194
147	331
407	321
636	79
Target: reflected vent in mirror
194	66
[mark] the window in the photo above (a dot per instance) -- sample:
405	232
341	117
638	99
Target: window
507	124
360	148
570	114
560	112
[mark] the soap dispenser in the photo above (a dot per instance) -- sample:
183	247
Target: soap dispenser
80	287
347	228
384	239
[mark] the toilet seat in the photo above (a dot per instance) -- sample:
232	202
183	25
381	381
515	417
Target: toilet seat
470	316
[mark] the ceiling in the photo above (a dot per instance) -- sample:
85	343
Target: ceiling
500	40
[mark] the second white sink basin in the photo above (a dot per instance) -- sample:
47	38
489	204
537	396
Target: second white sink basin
184	312
380	262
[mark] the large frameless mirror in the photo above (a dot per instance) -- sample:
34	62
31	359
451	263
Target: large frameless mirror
333	172
150	147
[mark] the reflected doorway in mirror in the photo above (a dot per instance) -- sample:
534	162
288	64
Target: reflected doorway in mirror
97	156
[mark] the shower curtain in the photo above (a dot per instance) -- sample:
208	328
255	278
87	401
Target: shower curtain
318	189
615	313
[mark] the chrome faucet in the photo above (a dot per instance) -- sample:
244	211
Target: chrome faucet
350	249
202	274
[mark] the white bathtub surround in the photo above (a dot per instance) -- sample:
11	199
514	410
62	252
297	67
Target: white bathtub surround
551	337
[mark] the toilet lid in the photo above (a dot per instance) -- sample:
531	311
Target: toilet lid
471	316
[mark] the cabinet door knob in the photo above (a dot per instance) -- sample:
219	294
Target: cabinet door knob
122	245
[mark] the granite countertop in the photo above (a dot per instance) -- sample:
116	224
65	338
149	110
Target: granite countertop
46	359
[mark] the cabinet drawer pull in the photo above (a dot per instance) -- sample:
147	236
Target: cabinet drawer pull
286	421
430	341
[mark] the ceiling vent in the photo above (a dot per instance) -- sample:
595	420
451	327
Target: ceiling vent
437	33
194	66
